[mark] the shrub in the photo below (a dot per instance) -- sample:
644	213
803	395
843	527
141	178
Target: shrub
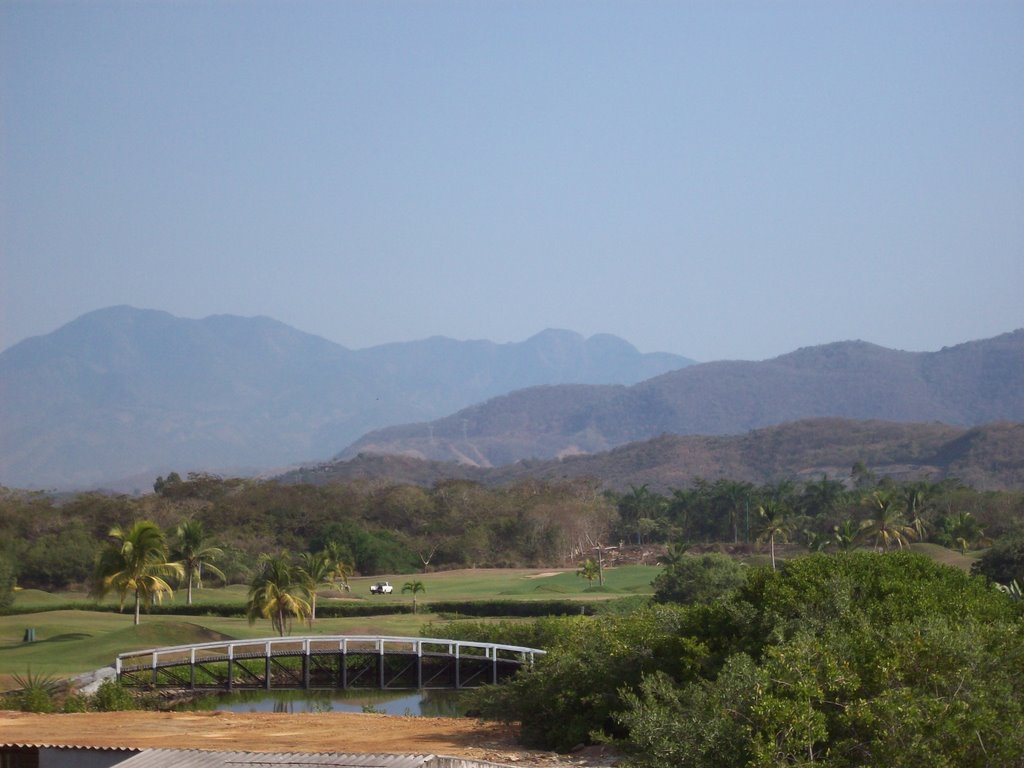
1004	562
698	579
37	692
111	696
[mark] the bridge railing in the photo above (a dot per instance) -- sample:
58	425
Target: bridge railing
220	650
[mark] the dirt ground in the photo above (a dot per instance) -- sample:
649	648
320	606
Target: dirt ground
266	732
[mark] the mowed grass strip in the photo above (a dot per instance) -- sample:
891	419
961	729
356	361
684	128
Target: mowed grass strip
512	583
468	584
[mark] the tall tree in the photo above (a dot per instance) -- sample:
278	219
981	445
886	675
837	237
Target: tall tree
915	506
279	592
820	497
638	505
195	554
775	523
319	571
733	498
135	561
341	560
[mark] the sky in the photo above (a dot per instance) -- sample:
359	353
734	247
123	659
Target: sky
721	180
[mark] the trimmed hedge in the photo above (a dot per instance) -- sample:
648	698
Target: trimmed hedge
490	608
518	609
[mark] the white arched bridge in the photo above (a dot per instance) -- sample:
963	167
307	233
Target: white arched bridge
324	662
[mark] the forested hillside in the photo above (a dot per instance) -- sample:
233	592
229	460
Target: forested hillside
986	457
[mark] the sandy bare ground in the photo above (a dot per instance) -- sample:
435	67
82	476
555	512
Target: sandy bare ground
266	732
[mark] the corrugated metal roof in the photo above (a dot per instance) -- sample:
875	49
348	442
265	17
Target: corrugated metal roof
194	758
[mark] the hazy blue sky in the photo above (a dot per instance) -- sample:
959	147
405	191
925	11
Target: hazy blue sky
716	179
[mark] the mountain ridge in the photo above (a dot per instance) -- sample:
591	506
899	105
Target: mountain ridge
968	384
987	457
121	392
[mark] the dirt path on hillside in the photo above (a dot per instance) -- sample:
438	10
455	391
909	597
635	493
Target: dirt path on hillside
266	732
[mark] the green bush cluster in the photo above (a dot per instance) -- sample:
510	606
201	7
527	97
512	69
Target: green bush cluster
45	693
837	660
518	608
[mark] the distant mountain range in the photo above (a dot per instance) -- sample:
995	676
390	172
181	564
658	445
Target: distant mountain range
989	457
966	385
121	395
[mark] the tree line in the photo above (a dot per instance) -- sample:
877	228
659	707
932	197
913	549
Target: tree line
841	660
377	527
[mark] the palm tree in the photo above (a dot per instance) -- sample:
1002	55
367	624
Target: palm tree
775	523
589	570
638	505
965	530
279	592
733	498
195	554
135	560
886	525
821	497
846	536
342	568
674	554
414	587
915	505
319	571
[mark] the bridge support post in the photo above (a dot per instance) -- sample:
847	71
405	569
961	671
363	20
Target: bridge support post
231	672
305	670
267	671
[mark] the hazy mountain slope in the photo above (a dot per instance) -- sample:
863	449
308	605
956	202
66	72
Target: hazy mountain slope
986	457
969	384
125	392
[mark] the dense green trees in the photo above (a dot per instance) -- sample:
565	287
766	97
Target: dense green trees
388	528
698	579
859	659
577	687
6	582
848	661
1004	562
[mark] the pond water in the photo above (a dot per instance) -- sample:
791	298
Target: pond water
442	703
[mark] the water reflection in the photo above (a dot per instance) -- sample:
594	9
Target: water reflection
441	703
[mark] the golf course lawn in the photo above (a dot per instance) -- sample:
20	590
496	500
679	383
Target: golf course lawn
70	641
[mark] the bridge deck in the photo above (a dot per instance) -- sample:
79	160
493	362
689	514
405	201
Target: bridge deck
336	661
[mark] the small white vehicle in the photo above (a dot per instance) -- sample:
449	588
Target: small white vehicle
381	588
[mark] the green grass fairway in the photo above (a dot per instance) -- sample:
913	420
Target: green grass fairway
514	584
69	642
945	556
